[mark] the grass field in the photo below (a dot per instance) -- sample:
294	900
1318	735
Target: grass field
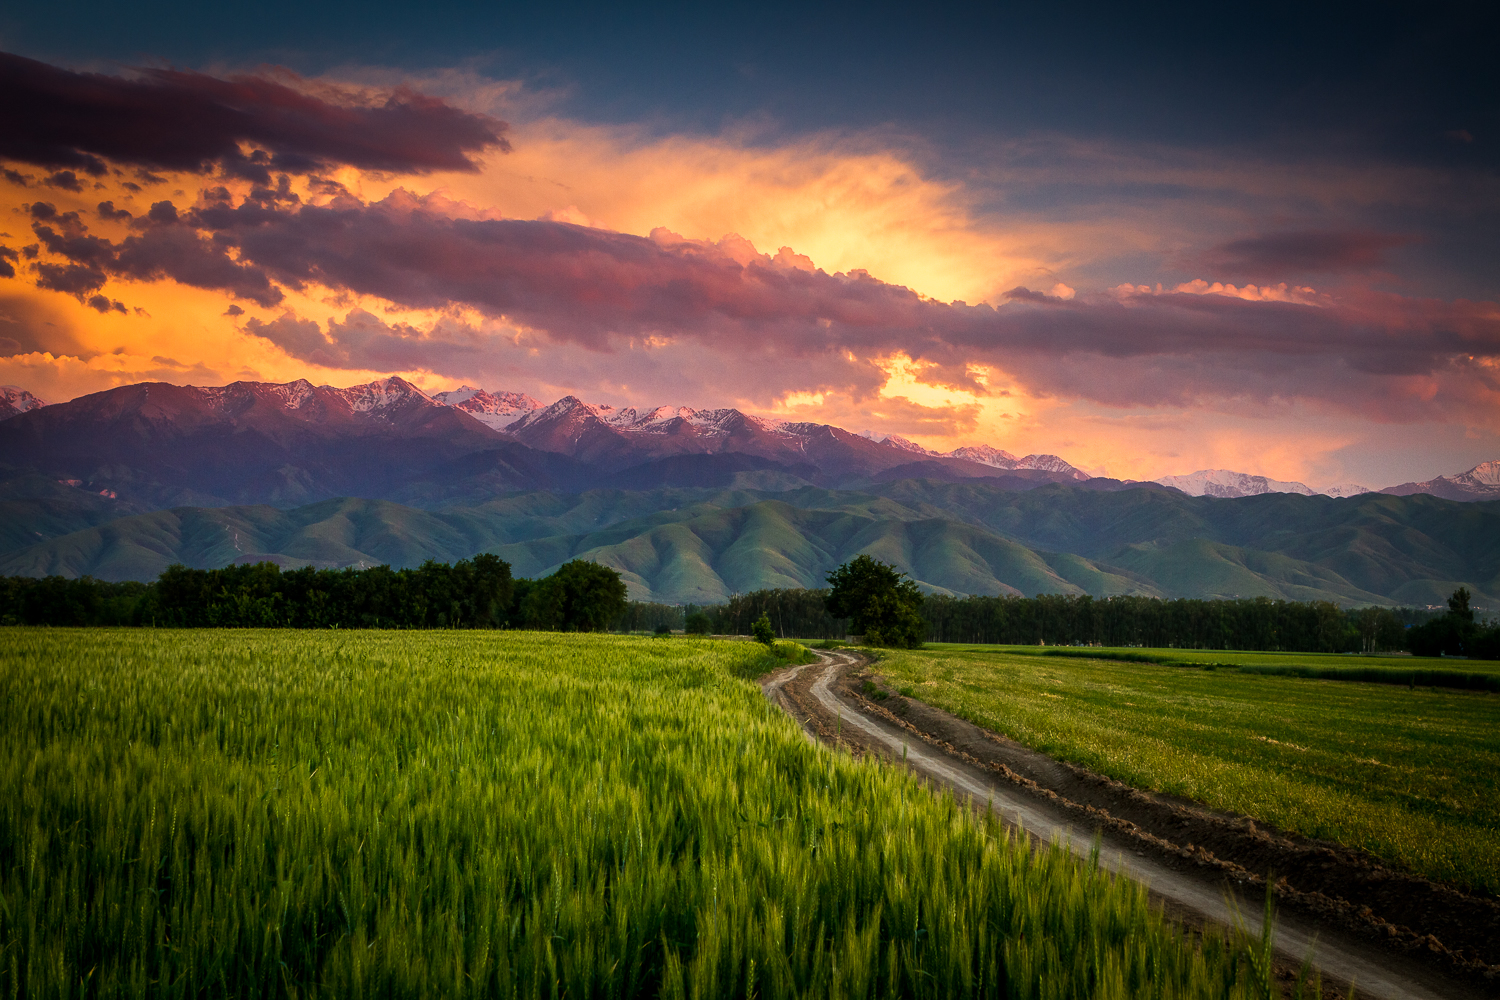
1410	775
507	814
1426	671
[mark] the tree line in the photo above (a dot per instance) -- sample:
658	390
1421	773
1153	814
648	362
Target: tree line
471	593
865	598
1252	623
1062	619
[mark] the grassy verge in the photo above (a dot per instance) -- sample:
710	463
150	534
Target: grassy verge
507	814
1412	776
763	659
1407	671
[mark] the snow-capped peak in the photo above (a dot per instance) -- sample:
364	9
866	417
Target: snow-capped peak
380	394
1050	463
718	419
985	455
1226	483
663	413
897	441
453	397
493	409
615	416
294	394
570	407
1483	474
14	401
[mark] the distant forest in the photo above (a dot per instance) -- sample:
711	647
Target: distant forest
471	593
1067	619
584	596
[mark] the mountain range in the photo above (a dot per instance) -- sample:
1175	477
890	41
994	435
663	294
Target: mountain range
251	442
312	429
690	505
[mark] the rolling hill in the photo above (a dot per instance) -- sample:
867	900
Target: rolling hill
688	504
700	544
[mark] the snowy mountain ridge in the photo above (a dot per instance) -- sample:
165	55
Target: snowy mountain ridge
496	410
985	454
1227	483
593	432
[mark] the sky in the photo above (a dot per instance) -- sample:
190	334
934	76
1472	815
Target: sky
1152	239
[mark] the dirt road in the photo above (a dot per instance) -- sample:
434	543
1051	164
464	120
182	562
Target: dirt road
1024	790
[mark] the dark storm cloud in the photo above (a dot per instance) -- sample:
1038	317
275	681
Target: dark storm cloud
167	119
65	180
1278	256
101	303
164	249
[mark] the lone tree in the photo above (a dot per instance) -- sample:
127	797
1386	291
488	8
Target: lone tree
1458	605
763	631
880	602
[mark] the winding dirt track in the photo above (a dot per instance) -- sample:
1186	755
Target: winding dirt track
811	694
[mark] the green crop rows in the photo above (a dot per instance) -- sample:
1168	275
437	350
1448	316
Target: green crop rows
1410	775
265	814
1426	671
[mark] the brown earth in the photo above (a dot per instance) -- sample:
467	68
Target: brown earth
1453	933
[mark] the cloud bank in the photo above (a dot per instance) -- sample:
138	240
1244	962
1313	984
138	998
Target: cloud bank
1383	355
176	120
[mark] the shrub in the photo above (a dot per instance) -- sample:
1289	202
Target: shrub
762	630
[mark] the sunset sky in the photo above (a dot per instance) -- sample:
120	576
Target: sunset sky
1151	240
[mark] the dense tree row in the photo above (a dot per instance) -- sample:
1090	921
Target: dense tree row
56	600
585	596
471	593
1056	619
1255	623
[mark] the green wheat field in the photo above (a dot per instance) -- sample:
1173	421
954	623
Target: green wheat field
1411	775
386	814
